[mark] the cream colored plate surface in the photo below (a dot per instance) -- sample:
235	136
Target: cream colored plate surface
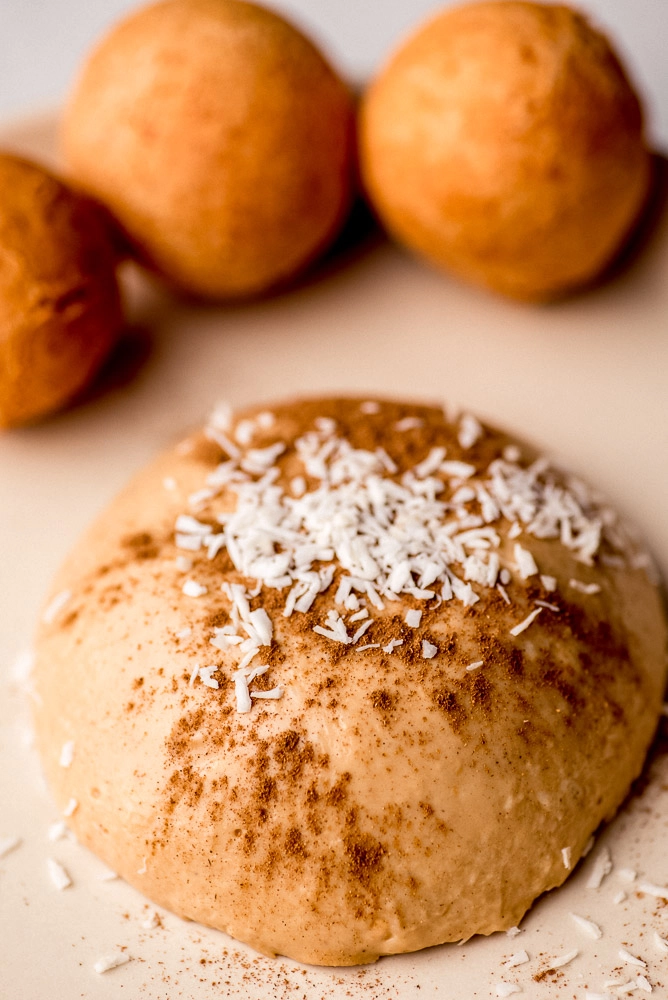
586	379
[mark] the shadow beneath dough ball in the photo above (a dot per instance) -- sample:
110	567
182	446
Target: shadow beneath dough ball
361	234
126	359
654	765
644	230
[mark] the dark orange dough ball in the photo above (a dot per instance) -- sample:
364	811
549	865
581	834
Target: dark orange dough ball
60	311
504	142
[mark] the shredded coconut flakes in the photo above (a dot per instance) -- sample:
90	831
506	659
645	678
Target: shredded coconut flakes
66	754
57	831
8	844
504	989
428	533
107	875
601	867
626	956
470	431
519	628
58	875
561	960
519	958
588	927
112	961
660	943
584	588
526	564
55	606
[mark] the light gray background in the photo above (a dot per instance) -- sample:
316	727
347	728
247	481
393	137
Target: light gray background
42	42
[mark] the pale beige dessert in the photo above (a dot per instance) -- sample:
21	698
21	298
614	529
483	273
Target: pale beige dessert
60	310
220	138
504	142
346	678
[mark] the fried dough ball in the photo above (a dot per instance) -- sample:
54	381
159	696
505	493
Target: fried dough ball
504	142
220	138
60	310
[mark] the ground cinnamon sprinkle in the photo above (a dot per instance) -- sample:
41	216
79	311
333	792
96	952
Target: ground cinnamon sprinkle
294	843
365	855
142	545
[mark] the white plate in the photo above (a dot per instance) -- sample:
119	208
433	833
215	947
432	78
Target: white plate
587	379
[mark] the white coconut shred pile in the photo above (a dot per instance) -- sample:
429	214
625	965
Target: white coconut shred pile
432	532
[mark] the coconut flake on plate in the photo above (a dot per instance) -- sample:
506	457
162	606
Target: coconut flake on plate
111	961
519	958
659	891
504	989
601	866
588	927
660	943
58	874
631	959
561	960
107	874
57	830
22	667
9	844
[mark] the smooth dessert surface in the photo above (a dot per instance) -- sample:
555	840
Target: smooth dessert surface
347	678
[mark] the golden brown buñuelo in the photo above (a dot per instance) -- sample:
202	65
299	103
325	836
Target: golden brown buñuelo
504	142
221	140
